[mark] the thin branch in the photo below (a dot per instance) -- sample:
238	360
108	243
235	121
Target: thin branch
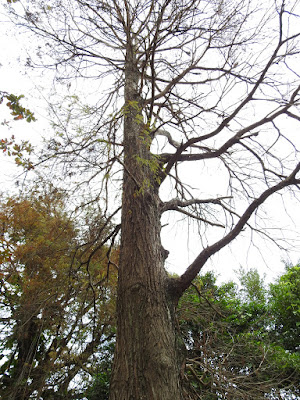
182	283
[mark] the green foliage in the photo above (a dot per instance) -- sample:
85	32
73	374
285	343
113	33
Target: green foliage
131	106
252	285
10	146
100	387
17	110
154	166
233	349
285	306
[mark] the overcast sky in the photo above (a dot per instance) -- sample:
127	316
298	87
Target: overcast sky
182	241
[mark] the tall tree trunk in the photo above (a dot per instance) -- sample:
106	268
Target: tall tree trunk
146	362
27	337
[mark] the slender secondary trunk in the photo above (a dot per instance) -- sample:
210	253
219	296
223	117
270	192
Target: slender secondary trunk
27	334
146	361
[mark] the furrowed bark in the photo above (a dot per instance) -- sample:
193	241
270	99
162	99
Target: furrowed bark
146	362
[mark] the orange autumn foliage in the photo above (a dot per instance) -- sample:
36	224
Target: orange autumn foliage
57	306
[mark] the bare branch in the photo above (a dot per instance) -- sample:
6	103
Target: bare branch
180	203
185	280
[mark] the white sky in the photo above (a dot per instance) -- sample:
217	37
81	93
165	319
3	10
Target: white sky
182	242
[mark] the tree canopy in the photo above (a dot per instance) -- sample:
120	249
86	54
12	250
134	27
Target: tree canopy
234	350
57	306
286	308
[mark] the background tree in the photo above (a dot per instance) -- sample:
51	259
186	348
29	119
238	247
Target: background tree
285	304
232	351
57	309
208	84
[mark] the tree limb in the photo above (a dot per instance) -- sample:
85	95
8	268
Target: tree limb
184	281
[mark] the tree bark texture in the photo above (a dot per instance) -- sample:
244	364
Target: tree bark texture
146	361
